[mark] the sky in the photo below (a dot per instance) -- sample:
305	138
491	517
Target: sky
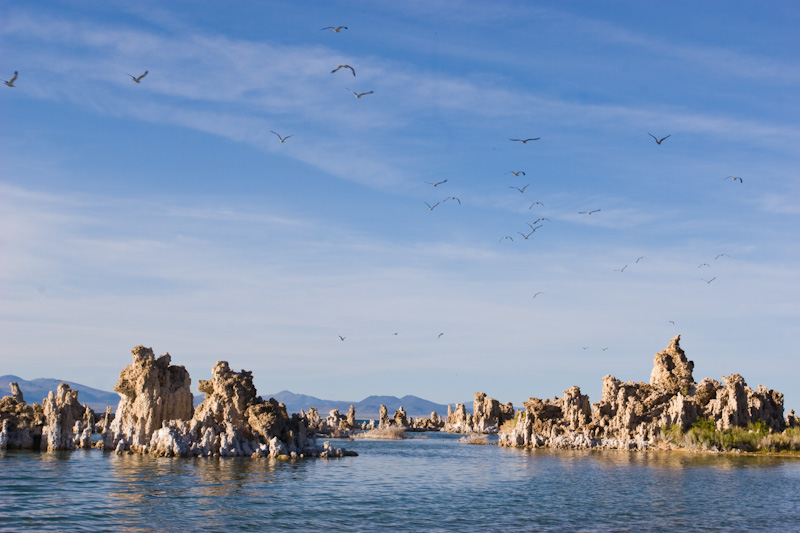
169	213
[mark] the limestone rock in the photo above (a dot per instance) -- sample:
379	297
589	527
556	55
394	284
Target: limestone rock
152	391
61	410
672	372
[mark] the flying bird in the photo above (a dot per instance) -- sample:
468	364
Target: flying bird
604	349
708	280
734	178
516	172
720	255
342	338
437	183
336	29
526	236
536	203
520	190
139	79
431	207
283	139
506	237
540	220
704	264
621	269
585	347
659	141
344	66
523	141
440	335
639	259
452	198
671	322
588	212
10	82
537	294
359	95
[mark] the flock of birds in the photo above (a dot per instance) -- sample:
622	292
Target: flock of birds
431	206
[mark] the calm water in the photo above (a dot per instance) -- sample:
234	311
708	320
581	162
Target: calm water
421	484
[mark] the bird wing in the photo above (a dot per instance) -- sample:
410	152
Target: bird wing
14	77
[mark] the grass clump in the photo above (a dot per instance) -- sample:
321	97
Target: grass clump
475	439
390	433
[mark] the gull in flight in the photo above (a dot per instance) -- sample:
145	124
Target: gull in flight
537	294
283	139
437	183
523	141
639	259
452	198
139	79
359	95
10	82
536	203
621	269
516	172
342	338
734	178
344	66
540	220
720	255
431	207
520	190
671	322
506	237
337	29
588	212
529	234
704	264
604	349
708	280
659	141
440	335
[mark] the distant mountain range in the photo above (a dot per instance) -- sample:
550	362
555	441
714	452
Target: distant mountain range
35	390
368	408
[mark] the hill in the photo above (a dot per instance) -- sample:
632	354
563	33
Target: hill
36	390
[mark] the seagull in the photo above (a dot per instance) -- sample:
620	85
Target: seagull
520	190
604	349
734	178
341	337
395	333
437	183
452	198
525	236
523	141
440	335
585	347
536	203
540	220
720	255
671	322
139	79
709	280
639	259
588	212
344	66
359	95
283	139
336	29
10	82
537	294
659	141
431	207
621	269
704	264
516	172
506	237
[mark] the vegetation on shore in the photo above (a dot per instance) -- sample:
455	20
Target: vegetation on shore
756	437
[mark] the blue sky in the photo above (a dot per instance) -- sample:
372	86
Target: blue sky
166	213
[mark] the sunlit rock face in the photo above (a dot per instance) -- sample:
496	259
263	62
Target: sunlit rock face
61	411
633	415
152	392
488	415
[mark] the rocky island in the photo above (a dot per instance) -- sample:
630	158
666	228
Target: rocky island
155	415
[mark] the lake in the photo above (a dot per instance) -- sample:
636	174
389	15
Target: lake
431	482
